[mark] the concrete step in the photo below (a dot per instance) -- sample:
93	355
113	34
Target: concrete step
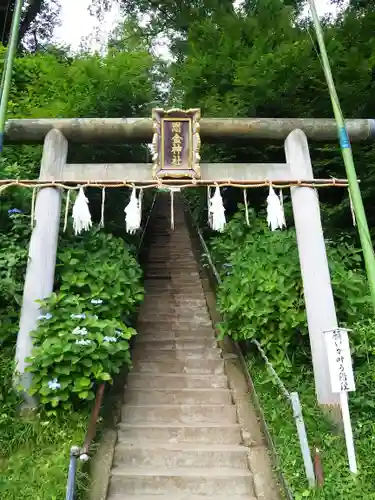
153	289
180	433
168	355
192	366
179	437
179	414
186	264
152	335
180	496
152	303
172	381
157	304
192	343
184	316
177	396
133	454
192	481
157	322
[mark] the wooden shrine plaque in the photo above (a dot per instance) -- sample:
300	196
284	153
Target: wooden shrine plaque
176	143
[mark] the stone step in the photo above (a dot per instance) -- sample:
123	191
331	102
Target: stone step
172	271
170	295
179	414
194	366
165	381
180	496
182	316
171	482
133	454
163	287
212	433
189	265
146	324
193	343
179	437
170	355
174	334
160	323
177	396
160	293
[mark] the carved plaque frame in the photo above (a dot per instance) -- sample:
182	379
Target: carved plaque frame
176	143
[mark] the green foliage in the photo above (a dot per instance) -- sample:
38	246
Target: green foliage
54	85
261	62
13	257
107	270
34	454
74	350
82	339
338	482
261	295
51	84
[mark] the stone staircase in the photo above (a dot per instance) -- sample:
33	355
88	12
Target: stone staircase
179	436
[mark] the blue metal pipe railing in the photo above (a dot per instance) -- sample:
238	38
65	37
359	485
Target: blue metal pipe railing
71	485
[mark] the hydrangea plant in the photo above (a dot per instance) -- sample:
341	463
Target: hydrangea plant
75	350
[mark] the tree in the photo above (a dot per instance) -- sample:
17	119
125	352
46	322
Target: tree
39	18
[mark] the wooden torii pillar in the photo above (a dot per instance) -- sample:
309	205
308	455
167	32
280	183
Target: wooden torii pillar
320	308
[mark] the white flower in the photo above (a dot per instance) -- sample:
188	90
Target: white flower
78	316
44	316
80	331
54	384
96	301
118	331
110	339
83	342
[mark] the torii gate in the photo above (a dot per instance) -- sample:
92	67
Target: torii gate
56	133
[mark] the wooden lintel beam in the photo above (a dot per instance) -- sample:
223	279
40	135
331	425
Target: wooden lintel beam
127	130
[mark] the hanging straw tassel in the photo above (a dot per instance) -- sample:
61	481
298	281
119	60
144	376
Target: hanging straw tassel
172	209
246	207
67	203
101	223
132	218
275	211
217	211
33	201
140	199
352	209
209	204
81	213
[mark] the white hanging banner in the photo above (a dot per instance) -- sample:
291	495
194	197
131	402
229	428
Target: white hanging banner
339	360
342	382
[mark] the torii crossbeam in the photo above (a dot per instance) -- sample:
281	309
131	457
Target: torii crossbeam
56	135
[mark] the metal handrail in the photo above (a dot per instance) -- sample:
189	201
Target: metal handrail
146	223
255	397
81	453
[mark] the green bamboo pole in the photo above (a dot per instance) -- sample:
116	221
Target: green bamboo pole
346	150
8	67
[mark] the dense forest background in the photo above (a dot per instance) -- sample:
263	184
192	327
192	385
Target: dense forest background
258	59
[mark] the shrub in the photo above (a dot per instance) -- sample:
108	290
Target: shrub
83	335
76	350
261	295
